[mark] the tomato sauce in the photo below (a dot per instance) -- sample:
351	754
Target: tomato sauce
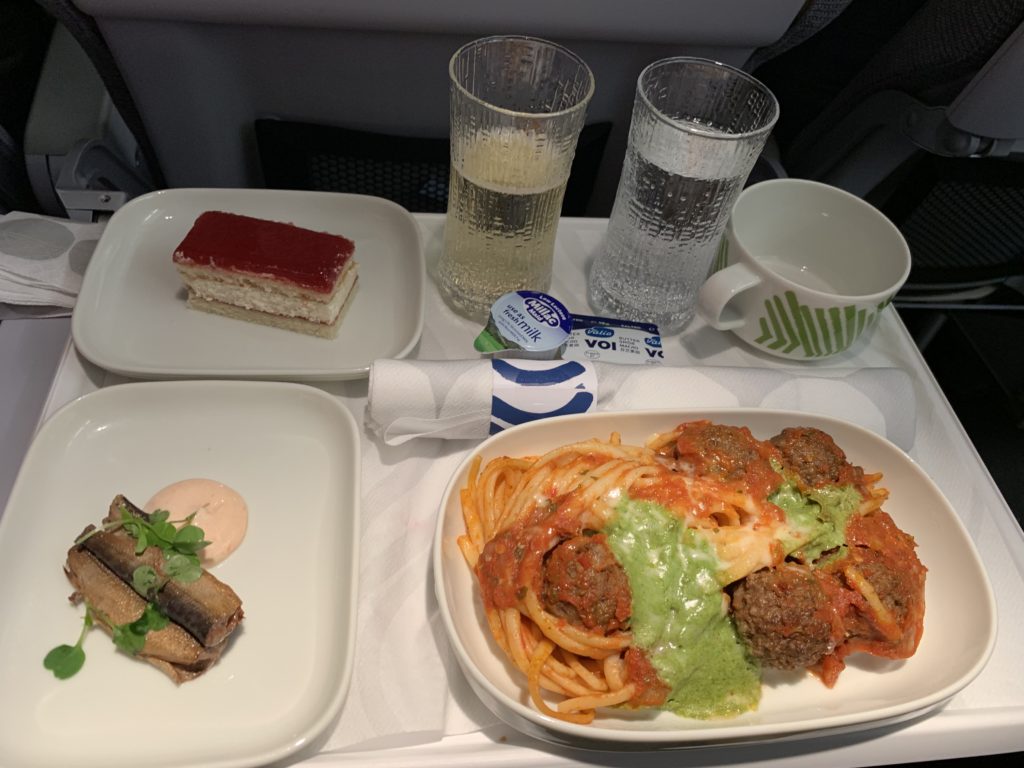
884	556
651	690
732	455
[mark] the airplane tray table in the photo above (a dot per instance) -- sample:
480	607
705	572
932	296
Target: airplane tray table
986	717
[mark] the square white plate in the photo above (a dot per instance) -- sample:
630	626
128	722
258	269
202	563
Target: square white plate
292	452
131	318
960	617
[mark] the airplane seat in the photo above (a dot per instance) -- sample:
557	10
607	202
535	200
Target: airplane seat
26	33
82	151
411	171
916	106
83	160
255	93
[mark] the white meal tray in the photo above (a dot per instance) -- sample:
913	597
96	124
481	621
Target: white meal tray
987	717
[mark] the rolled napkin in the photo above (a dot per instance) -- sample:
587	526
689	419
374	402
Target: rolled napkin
471	399
43	259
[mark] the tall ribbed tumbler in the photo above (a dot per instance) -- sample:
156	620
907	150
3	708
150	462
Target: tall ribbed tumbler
698	127
517	108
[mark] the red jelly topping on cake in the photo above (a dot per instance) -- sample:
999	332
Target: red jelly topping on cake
268	249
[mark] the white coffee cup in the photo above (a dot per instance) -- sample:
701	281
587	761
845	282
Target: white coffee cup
804	269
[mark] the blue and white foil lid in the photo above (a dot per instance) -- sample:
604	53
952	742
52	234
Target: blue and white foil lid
525	325
471	399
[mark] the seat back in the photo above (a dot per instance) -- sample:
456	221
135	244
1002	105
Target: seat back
928	124
202	74
25	31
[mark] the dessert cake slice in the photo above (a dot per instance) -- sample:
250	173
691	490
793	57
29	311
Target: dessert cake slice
267	272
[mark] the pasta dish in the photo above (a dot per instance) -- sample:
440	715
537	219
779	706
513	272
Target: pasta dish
669	575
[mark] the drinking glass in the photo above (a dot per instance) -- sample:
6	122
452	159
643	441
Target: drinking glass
697	129
517	108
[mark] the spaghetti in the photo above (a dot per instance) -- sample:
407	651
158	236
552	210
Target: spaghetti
667	574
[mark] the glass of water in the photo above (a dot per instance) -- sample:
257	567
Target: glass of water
698	127
517	109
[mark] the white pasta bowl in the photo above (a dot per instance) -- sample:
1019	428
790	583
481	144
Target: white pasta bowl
959	627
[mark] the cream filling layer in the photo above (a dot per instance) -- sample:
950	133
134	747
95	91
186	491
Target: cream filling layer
266	299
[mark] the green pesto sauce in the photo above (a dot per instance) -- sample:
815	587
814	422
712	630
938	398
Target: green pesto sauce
678	614
817	518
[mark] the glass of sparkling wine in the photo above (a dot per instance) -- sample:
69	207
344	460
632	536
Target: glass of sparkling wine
698	127
517	108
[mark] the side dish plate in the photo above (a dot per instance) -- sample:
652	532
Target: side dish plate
960	618
292	452
131	317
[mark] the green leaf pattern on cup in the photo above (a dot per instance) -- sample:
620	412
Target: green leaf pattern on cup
790	327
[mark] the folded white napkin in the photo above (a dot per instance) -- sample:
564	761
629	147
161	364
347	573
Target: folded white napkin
453	399
43	259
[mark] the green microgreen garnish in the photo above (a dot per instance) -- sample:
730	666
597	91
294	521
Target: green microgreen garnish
158	531
65	660
180	548
131	637
181	567
145	579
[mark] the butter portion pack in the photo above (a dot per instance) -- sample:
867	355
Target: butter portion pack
613	341
534	325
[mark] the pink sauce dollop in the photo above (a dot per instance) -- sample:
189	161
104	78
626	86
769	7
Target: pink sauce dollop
220	511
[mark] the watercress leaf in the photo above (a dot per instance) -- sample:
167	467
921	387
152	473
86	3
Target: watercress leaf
126	639
159	516
190	539
182	567
187	548
152	619
189	533
144	579
64	661
163	534
155	618
142	542
133	526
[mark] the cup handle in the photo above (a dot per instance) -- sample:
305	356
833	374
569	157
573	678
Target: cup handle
719	289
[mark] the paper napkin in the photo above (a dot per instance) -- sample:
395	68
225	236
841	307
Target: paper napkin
43	259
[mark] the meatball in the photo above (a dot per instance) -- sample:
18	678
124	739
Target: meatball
898	591
815	458
718	449
782	614
584	584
